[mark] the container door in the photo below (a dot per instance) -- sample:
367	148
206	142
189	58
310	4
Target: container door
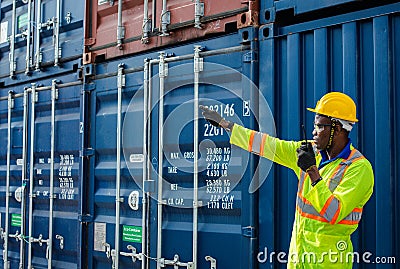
54	189
116	201
204	206
13	171
40	211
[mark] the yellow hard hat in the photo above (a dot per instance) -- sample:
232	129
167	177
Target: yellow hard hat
336	105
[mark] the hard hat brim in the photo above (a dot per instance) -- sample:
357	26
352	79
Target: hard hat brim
318	112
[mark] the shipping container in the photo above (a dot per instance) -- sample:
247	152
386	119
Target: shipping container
40	186
55	31
118	28
355	53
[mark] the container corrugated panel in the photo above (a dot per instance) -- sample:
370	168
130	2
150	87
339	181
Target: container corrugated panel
121	28
39	211
56	37
288	12
357	54
162	216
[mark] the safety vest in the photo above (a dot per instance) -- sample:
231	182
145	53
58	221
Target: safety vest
331	209
327	213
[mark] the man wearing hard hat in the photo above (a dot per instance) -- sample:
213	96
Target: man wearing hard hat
335	181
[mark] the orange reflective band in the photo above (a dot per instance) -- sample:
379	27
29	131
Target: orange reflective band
358	209
328	202
251	141
349	222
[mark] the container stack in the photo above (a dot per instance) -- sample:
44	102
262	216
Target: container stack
107	162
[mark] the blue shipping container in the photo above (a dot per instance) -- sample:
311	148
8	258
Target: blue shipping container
355	53
55	31
150	199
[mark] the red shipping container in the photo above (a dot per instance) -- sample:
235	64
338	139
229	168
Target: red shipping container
117	28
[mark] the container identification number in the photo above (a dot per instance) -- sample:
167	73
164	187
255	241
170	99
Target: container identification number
226	110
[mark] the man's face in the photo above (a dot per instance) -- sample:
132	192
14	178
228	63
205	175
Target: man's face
321	132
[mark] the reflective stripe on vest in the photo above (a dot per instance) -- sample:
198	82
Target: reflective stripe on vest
257	142
331	209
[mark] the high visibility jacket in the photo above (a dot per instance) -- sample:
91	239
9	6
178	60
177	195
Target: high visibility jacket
326	214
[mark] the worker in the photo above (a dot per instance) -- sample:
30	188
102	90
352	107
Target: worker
335	181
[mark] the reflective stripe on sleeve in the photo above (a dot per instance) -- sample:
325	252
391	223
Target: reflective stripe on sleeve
334	181
353	218
307	210
257	142
330	209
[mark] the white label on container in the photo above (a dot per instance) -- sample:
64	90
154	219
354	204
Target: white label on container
20	161
99	236
65	177
133	200
18	194
3	31
136	158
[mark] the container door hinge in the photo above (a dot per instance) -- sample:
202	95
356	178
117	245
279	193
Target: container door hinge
61	238
249	231
213	262
86	152
165	21
250	57
175	263
146	30
120	36
198	13
198	62
121	76
85	218
162	66
11	99
135	256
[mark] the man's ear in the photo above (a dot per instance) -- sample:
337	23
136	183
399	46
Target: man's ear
338	129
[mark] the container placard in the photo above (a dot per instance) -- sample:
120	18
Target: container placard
132	234
16	220
99	236
3	31
136	158
22	22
